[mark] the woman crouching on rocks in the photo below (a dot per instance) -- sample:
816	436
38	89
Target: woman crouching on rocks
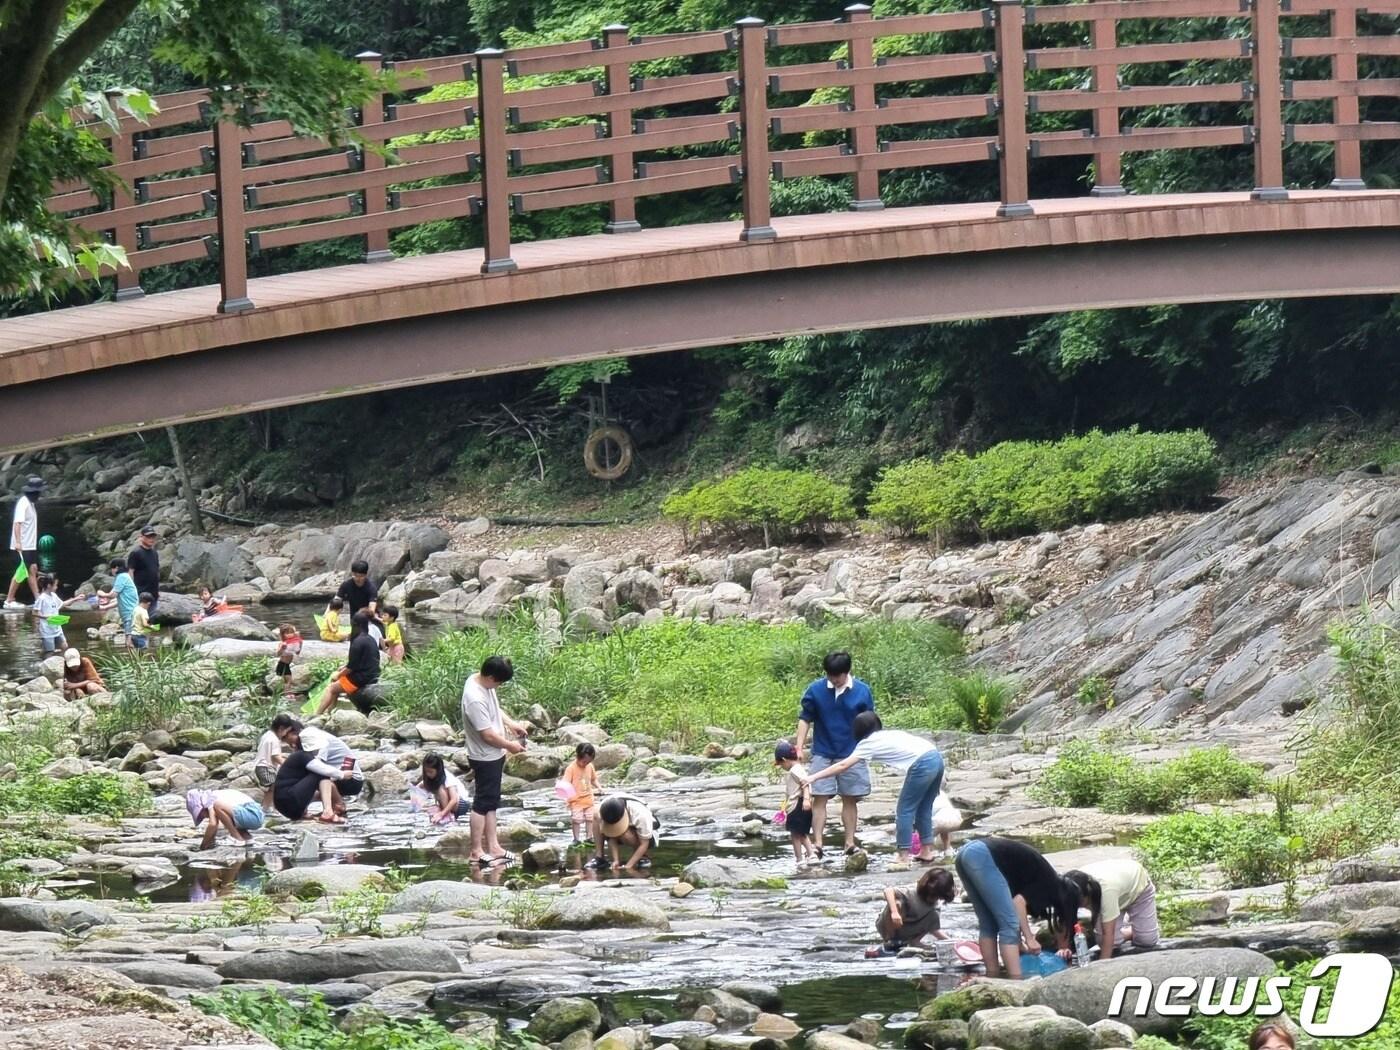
1120	895
320	765
911	914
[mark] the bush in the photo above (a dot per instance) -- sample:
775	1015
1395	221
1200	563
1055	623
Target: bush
1177	846
150	692
773	503
1078	777
1354	746
1083	775
982	699
1027	486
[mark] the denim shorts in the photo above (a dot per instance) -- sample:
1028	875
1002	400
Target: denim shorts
854	783
248	816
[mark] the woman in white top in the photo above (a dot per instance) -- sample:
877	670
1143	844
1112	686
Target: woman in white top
922	765
1120	895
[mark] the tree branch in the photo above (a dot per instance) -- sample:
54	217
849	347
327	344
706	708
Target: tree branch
105	19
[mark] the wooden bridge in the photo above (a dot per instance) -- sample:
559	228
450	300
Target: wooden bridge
1288	74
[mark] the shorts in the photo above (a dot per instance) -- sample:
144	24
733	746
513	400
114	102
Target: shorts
30	558
266	776
464	806
799	821
854	783
248	817
283	669
349	788
487	795
55	644
367	698
138	641
1142	916
582	814
347	687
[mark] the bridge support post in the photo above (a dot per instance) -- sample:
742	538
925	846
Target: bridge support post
861	52
1013	144
1108	164
1268	103
1346	109
376	198
128	281
622	211
495	174
232	219
753	109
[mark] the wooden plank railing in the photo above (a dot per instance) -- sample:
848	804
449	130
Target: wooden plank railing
912	91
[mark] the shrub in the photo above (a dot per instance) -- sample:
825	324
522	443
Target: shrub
757	500
1178	845
150	692
1084	775
1079	775
88	794
982	699
1354	746
1025	486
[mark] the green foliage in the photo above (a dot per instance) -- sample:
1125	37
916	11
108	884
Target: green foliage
1085	775
982	699
775	503
522	909
1095	691
1353	747
566	381
88	794
149	692
360	912
242	909
1175	847
1024	486
1080	775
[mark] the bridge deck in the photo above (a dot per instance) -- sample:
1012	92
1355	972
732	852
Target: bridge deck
102	335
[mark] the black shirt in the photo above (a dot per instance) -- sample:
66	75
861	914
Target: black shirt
357	597
363	662
145	570
1028	874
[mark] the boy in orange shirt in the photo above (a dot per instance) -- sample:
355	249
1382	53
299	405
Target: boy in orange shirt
583	778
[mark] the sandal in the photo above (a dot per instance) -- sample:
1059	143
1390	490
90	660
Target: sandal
499	858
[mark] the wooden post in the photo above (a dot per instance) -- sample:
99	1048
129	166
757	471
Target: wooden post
1013	144
1346	108
753	110
123	147
495	173
232	220
1108	163
1268	103
622	214
376	198
865	184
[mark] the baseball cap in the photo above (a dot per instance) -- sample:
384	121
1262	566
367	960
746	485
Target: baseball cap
149	530
72	658
784	750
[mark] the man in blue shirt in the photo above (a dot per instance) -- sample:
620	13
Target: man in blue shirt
829	707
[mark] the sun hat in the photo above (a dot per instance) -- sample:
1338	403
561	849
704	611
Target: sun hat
198	803
613	815
33	484
72	658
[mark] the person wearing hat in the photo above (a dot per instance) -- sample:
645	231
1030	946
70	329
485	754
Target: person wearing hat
626	820
80	677
238	813
144	563
797	803
24	540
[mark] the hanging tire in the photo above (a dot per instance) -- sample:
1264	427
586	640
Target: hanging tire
608	453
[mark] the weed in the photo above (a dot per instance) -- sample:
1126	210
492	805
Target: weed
982	699
1085	775
1095	691
242	909
308	1024
361	911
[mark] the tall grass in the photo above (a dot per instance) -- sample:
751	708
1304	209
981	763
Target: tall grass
1353	744
150	692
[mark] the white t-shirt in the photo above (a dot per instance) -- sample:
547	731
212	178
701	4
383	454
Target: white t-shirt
1122	881
893	747
451	782
481	710
331	752
230	797
269	747
27	518
48	604
792	786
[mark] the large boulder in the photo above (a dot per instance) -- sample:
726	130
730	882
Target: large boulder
1085	994
936	1035
314	553
635	590
19	915
1027	1028
329	962
1372	930
564	1016
707	872
1339	903
534	765
584	586
328	879
978	994
594	908
167	973
1382	865
193	560
422	540
225	625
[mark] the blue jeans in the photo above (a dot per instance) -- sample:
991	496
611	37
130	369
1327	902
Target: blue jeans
915	806
989	893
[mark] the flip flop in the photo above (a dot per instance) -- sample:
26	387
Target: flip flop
500	858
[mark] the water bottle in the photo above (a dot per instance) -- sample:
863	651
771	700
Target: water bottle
1081	946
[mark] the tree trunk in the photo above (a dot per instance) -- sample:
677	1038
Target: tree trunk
191	497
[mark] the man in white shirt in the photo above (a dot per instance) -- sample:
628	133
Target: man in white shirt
490	734
24	538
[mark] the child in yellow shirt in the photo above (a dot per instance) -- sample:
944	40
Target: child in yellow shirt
393	634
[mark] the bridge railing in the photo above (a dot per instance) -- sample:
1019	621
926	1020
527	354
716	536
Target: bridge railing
595	122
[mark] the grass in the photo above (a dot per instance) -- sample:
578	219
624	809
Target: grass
1086	775
149	692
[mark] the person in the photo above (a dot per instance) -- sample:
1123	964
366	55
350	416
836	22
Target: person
947	818
582	777
123	596
235	811
797	803
1007	882
911	914
320	765
24	540
829	707
288	648
209	605
1123	902
445	787
141	629
625	820
265	765
486	727
1272	1035
359	592
361	669
80	677
46	606
331	631
393	634
922	765
144	562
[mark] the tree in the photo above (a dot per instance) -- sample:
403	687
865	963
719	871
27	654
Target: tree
43	45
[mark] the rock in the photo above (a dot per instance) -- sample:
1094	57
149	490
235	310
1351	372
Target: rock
64	768
707	872
328	962
1382	865
686	1033
329	879
729	1008
1204	907
739	568
541	856
438	895
866	1029
559	1017
1109	1033
521	831
705	1014
590	621
576	733
978	994
387	780
936	1035
623	1038
682	890
1093	559
856	862
635	590
1339	903
534	765
405	1000
193	560
1027	1028
227	625
19	915
584	586
1372	930
593	908
764	996
1085	994
775	1026
826	1040
167	974
307	849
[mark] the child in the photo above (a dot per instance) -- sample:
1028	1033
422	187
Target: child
947	818
265	765
48	604
797	804
141	622
583	778
208	604
445	787
287	650
1122	901
1272	1035
393	634
122	596
911	914
238	813
330	622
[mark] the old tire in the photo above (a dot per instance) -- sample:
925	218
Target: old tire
596	450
